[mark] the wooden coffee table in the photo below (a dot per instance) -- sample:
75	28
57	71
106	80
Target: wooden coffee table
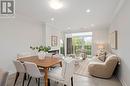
44	63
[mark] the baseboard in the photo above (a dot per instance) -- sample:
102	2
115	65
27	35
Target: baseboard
123	82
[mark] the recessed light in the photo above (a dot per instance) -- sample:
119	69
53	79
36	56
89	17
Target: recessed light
56	4
88	11
85	27
92	25
69	28
52	19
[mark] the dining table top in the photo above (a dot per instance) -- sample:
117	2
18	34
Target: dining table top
45	63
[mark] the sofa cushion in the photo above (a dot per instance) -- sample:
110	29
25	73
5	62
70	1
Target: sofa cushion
102	56
94	59
108	54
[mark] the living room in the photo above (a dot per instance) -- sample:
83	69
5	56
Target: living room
36	23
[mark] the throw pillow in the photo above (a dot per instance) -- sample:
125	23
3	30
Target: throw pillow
102	56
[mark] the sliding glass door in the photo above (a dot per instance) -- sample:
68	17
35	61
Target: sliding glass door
80	42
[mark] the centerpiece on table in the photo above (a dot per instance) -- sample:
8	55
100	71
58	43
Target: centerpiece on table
41	50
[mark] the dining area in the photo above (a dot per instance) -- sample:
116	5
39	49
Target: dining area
51	67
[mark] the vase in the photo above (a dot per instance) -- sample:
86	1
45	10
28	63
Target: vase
41	55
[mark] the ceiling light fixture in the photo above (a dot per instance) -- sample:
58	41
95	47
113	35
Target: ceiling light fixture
69	28
92	25
52	19
56	4
88	11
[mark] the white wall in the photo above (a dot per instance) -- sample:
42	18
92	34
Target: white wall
99	36
16	36
44	34
122	25
51	31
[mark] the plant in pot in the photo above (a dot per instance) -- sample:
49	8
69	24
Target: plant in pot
41	50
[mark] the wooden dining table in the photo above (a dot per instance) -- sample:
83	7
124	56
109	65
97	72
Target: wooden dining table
46	63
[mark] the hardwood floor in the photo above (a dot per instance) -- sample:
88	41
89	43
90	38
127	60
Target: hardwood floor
78	81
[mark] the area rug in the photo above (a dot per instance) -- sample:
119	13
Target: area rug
82	68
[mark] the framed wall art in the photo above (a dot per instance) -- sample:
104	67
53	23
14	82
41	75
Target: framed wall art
54	41
113	40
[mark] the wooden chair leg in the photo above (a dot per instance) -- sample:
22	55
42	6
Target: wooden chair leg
28	76
16	78
71	81
29	81
48	82
24	78
38	81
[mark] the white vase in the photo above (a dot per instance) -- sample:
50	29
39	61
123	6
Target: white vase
41	55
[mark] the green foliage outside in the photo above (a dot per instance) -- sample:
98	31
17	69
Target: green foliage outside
79	43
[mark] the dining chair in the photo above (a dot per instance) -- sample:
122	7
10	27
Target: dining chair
48	55
3	77
20	68
25	54
63	74
58	56
33	71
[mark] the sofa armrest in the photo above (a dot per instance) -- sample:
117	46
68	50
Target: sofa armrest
95	67
99	70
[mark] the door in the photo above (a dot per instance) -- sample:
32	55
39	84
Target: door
69	46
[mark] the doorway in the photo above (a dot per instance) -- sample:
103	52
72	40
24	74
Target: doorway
79	42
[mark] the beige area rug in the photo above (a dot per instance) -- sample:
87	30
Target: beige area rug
82	69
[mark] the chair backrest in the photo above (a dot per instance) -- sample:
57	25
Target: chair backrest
19	66
68	68
59	56
56	56
32	69
48	55
3	77
72	55
25	54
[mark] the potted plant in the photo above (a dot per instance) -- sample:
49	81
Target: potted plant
41	50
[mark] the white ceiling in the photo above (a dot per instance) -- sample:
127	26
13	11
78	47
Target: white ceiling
72	15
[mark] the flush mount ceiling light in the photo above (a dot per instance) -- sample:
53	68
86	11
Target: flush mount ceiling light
88	11
56	4
52	19
68	28
92	25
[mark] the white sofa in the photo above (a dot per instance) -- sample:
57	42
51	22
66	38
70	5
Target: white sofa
102	69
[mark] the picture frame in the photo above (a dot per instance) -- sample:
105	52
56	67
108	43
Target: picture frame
54	41
113	40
